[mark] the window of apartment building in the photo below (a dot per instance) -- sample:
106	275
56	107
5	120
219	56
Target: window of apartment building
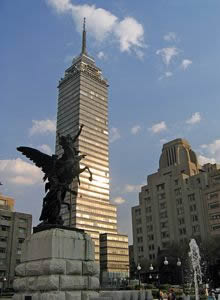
151	247
18	251
163	214
182	231
2	262
213	196
20	241
198	180
194	218
147	191
149	227
139	230
147	199
214	216
163	205
176	182
161	196
161	187
181	221
213	205
180	211
2	250
164	224
148	219
191	197
137	212
151	256
179	201
5	228
150	237
7	218
2	202
216	227
140	249
138	221
195	228
140	239
18	261
186	180
192	207
21	230
3	239
164	234
148	209
178	192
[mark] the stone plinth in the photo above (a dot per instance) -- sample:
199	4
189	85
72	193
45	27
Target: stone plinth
57	264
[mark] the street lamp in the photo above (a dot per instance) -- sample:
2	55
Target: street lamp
179	264
165	261
151	267
139	275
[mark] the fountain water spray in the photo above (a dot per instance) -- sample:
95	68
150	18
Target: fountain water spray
195	259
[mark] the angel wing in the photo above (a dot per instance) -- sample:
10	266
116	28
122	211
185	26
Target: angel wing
41	160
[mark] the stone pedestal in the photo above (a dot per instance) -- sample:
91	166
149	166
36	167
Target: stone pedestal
57	264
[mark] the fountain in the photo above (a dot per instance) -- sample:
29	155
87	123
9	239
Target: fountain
195	259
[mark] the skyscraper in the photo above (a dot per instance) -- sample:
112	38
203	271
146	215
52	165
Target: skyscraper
83	99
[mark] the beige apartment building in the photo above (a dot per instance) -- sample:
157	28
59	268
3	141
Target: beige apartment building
83	99
179	202
14	228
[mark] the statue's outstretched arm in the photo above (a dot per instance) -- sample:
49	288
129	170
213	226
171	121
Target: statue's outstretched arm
78	134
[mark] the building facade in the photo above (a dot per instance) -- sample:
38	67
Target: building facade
83	99
15	227
179	202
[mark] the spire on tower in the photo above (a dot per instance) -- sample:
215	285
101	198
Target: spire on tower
84	37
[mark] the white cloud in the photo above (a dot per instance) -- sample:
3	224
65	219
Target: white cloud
195	118
45	148
101	23
118	200
131	188
42	127
163	141
210	152
170	36
166	75
19	172
135	129
101	55
205	160
130	34
185	64
114	135
158	127
168	54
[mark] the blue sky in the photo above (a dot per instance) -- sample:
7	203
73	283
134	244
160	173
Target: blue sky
162	62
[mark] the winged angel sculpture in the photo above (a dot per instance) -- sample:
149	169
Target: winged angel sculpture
59	174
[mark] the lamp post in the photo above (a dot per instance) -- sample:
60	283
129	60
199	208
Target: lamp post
139	274
165	261
179	265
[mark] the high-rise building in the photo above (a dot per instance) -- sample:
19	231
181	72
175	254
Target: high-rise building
83	99
179	202
15	227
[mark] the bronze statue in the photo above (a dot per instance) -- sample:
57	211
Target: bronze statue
60	173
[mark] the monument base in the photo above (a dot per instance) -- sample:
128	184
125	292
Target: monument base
57	264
